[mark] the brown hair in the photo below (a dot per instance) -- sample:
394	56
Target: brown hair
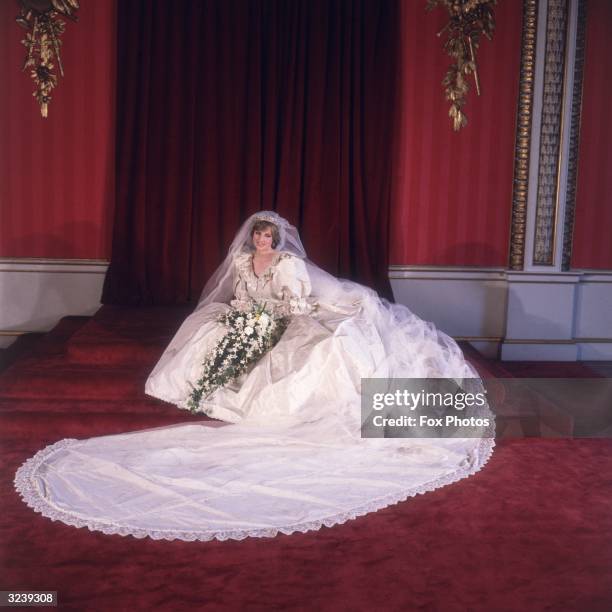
262	225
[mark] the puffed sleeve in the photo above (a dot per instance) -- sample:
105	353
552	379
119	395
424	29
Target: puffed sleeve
292	284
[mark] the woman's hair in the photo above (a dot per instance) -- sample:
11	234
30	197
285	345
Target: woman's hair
264	225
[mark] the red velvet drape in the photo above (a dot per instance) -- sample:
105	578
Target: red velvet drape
225	108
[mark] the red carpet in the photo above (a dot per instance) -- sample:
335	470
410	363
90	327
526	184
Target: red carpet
531	531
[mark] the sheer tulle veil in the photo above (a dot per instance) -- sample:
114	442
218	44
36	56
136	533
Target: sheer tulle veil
396	324
324	286
219	286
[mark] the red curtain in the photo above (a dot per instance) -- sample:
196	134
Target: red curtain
225	108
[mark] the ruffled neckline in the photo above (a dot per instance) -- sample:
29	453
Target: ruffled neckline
265	271
245	265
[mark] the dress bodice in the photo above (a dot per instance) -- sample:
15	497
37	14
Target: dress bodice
284	285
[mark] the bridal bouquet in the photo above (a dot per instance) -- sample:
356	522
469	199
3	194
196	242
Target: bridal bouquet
250	334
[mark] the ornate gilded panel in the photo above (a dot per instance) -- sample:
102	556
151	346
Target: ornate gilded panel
523	135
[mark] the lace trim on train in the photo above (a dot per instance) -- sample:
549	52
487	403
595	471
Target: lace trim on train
26	486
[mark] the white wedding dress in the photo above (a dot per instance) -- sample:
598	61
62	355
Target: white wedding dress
292	457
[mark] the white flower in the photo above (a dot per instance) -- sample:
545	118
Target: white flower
248	330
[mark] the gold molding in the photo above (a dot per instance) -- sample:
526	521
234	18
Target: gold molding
523	135
572	170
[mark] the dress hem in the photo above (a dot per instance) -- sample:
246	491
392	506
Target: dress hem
29	492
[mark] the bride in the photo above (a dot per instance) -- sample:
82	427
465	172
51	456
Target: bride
293	457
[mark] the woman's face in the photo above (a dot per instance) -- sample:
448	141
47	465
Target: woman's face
262	239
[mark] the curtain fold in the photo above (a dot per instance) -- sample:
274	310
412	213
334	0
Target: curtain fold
226	108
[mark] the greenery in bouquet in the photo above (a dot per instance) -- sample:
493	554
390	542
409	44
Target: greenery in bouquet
250	335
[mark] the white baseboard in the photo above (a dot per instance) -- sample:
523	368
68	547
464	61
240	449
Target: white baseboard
594	351
535	351
532	316
36	293
517	315
466	302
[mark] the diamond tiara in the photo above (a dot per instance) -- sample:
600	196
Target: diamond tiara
271	218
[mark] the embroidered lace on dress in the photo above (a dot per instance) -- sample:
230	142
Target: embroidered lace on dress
283	286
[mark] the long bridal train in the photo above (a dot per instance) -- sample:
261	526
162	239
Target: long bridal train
293	458
196	482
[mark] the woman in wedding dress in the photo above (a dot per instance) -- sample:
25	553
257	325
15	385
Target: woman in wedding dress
292	456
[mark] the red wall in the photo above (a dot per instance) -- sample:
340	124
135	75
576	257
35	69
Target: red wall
453	193
454	190
592	247
56	174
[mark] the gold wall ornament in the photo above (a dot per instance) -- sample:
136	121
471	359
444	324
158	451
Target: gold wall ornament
468	20
42	20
